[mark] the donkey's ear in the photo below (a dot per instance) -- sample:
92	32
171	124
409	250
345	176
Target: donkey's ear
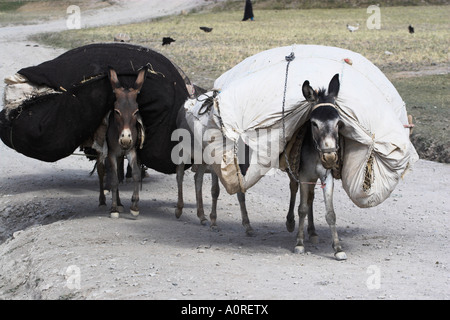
333	87
112	75
308	92
140	79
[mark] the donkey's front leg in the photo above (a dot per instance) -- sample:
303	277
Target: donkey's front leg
198	179
112	159
290	219
136	172
101	176
244	214
215	192
180	203
331	216
305	208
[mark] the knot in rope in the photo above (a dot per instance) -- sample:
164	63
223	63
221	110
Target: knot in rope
290	57
208	103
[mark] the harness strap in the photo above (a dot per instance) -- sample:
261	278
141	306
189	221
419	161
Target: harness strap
322	105
329	150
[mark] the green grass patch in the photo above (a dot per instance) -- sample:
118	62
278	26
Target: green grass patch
427	99
10	6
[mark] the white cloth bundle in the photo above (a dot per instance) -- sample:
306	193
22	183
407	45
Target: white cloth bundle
248	108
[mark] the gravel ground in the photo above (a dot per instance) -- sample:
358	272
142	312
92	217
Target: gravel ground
56	243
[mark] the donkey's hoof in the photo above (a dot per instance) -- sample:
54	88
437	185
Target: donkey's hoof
249	232
340	256
134	213
299	250
203	221
290	225
178	213
115	215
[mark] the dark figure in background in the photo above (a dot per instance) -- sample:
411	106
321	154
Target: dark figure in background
206	29
248	11
167	41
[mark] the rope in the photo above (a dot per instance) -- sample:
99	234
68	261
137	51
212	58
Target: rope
208	102
151	70
289	59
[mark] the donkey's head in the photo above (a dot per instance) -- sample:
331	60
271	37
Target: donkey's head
325	121
127	120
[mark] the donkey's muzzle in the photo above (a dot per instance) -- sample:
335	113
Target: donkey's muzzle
126	139
329	159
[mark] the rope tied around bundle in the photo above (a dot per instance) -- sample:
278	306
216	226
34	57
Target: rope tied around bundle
289	59
208	102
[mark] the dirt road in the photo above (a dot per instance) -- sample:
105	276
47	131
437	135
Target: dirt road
57	244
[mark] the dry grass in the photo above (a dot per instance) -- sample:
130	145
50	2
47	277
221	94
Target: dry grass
205	56
323	4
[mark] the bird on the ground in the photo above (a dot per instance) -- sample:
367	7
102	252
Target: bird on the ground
352	28
206	29
167	40
410	29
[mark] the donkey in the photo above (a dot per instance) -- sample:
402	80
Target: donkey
124	134
319	159
198	180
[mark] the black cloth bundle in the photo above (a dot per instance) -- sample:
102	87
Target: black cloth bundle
52	126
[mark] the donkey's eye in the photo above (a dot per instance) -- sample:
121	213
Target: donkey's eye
314	124
136	113
117	112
